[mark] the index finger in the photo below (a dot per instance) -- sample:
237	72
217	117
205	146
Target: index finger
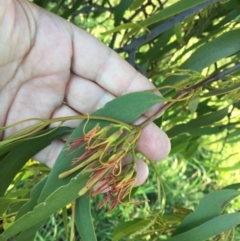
95	61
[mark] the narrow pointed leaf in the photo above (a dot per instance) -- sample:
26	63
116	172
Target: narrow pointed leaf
17	157
49	206
210	228
127	228
83	218
198	122
209	207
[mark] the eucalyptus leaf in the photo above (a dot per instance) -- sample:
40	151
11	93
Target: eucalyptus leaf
17	157
136	4
59	198
198	122
83	219
120	9
201	58
210	228
209	207
127	228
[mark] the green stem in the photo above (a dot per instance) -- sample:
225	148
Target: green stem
44	123
184	92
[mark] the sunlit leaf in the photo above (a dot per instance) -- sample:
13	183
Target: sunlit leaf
124	26
209	207
127	228
198	122
83	218
136	4
11	164
120	9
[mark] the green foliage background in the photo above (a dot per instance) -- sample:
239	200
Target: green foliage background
176	44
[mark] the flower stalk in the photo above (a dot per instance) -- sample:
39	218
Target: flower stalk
104	149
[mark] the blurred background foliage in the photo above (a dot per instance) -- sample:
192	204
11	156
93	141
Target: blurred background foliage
175	44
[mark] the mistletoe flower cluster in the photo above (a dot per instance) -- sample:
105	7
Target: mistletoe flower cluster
104	149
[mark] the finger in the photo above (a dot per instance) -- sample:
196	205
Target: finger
85	96
105	67
153	142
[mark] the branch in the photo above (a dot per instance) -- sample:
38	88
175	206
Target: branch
184	92
137	42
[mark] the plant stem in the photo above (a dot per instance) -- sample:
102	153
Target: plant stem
184	92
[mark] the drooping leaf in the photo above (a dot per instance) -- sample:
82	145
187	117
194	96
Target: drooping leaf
127	228
209	207
171	10
67	13
198	122
234	186
178	33
120	9
124	26
4	203
205	131
210	228
201	58
59	198
83	218
136	4
17	157
222	90
191	148
193	104
30	233
179	144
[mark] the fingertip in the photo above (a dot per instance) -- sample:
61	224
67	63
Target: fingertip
142	172
154	143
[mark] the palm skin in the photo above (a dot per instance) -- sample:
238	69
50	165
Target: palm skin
45	60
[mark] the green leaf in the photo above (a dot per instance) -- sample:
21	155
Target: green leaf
71	10
193	104
210	228
42	3
198	122
209	207
136	4
59	198
17	157
4	203
178	33
191	148
127	228
221	91
179	144
224	169
218	49
83	219
201	58
172	10
125	108
34	195
205	131
134	26
29	206
234	186
166	13
120	10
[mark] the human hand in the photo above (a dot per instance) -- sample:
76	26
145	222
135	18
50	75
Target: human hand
45	60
